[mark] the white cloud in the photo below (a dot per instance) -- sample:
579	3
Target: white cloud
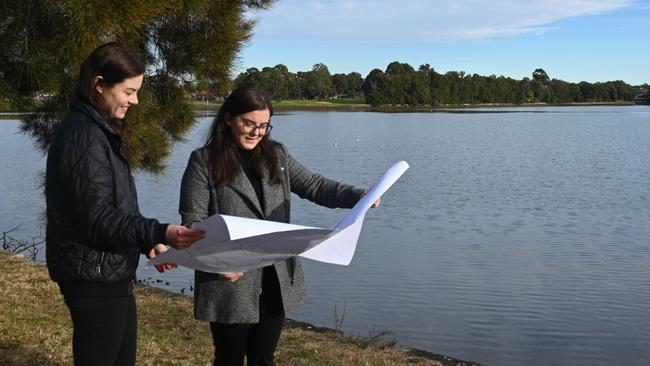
418	21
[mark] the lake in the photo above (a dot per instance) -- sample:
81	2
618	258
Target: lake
519	236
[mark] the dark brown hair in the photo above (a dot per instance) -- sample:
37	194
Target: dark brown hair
223	150
114	62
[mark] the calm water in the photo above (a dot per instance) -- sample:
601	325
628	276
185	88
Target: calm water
514	238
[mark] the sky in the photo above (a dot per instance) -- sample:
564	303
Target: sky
572	40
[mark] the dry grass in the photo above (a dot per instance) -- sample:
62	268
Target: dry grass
35	329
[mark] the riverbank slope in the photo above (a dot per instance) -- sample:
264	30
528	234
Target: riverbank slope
356	105
35	329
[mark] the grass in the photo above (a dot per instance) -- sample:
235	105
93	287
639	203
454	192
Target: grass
300	104
359	105
35	329
328	104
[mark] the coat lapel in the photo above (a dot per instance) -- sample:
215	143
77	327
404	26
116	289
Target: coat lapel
272	193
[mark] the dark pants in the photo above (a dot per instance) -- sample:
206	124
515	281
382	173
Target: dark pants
105	330
255	341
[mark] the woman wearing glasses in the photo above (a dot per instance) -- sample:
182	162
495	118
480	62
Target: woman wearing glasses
241	171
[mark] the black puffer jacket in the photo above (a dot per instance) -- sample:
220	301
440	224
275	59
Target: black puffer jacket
95	231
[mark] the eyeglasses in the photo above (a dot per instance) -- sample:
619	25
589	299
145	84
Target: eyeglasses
250	126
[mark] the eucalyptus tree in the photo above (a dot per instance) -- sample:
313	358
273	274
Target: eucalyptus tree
541	76
317	83
180	41
340	82
354	83
347	85
398	78
252	76
374	87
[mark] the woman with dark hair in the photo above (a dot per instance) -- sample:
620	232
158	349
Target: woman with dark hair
241	171
95	232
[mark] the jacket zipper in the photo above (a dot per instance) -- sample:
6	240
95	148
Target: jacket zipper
100	261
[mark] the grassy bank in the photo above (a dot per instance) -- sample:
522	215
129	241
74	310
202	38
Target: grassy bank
35	329
329	104
359	105
300	104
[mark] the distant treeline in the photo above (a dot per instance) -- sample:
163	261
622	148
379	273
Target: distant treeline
401	84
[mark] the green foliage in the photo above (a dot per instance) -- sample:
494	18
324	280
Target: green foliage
347	85
400	84
317	83
541	76
374	87
182	43
277	81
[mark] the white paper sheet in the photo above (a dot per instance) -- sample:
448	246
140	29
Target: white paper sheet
235	244
339	249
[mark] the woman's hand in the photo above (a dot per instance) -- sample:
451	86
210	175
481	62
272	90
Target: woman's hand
231	277
377	202
180	237
161	248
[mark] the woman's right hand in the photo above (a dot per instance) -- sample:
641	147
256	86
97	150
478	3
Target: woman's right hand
231	277
163	267
180	237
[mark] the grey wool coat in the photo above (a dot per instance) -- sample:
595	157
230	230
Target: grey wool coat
216	300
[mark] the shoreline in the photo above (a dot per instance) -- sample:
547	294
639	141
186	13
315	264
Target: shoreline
299	105
290	106
35	329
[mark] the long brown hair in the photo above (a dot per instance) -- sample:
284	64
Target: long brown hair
115	63
223	150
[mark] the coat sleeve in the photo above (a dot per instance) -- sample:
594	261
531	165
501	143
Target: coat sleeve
88	176
319	189
195	191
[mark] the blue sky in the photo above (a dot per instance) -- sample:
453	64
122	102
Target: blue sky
573	40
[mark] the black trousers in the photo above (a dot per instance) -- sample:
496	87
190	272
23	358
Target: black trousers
104	330
255	341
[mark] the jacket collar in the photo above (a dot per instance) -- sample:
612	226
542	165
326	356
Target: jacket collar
93	113
113	137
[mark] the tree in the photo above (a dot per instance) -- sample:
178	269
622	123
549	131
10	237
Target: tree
347	85
274	80
252	76
340	82
374	87
317	83
282	79
398	80
541	76
400	84
563	92
355	82
44	43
